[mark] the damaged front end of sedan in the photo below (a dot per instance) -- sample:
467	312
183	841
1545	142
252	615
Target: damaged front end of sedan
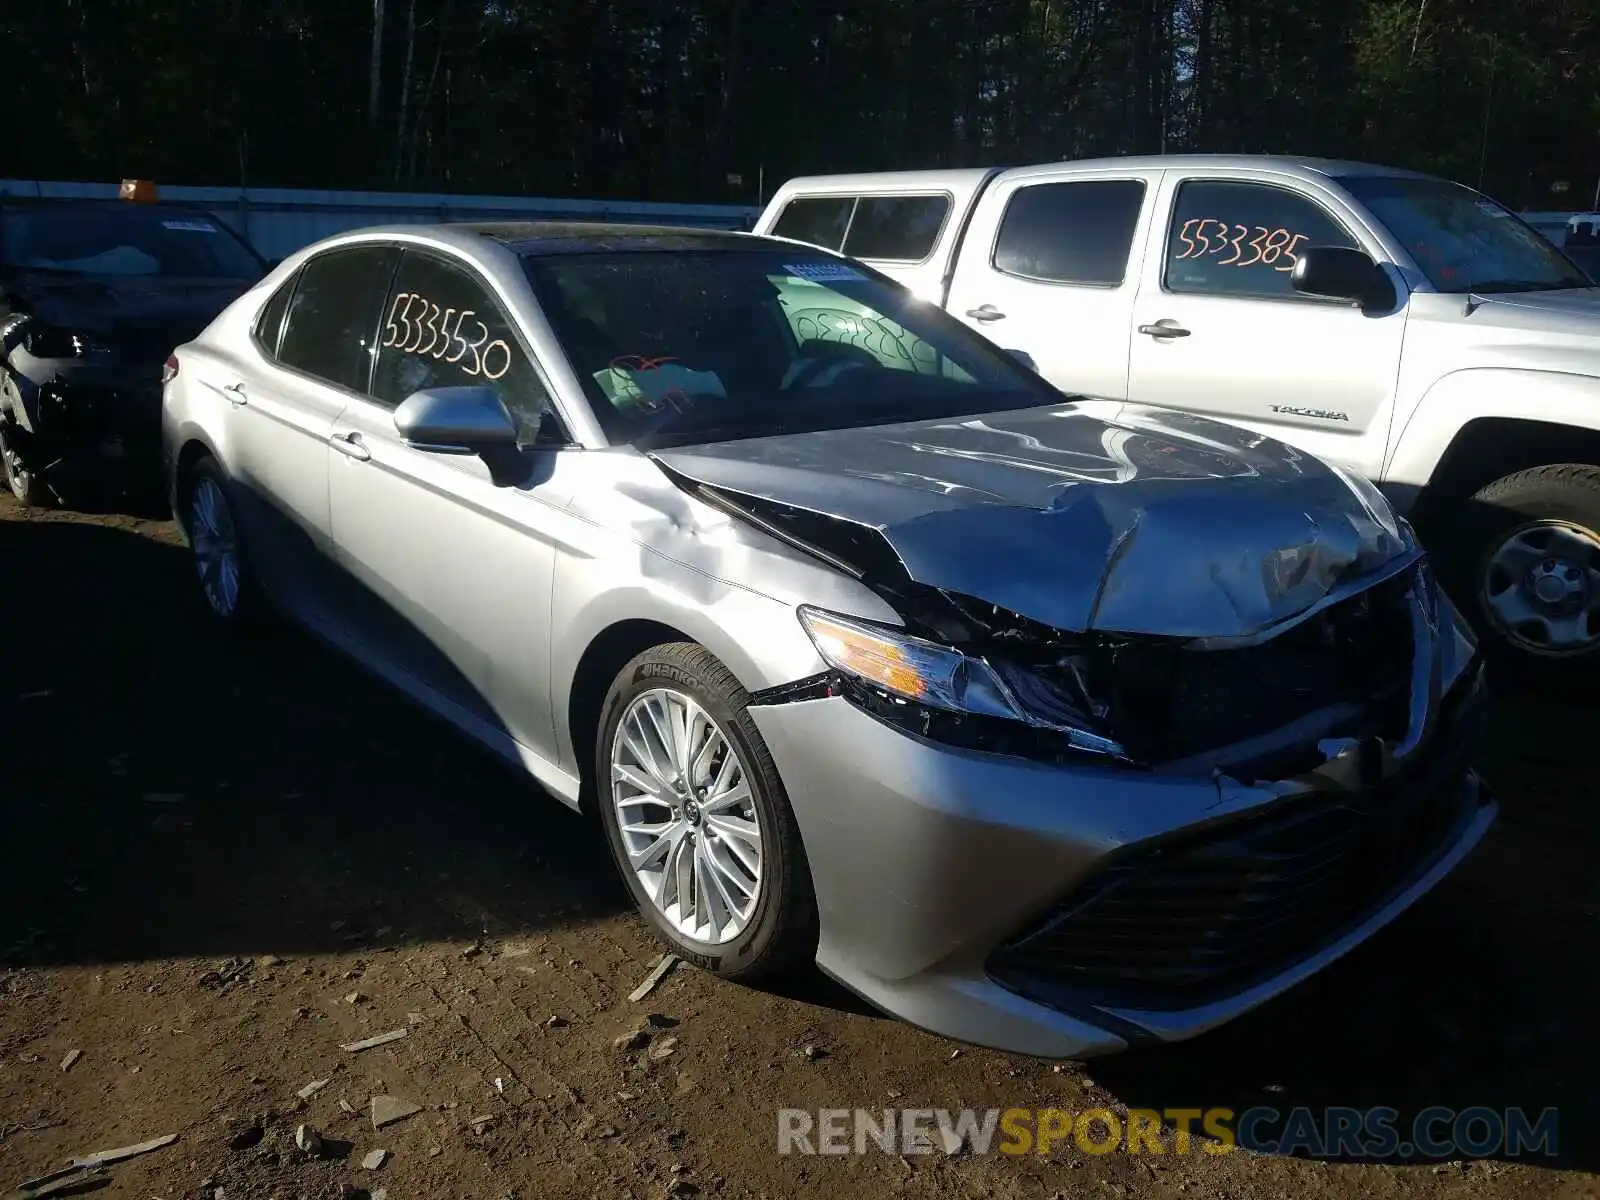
1252	663
1177	612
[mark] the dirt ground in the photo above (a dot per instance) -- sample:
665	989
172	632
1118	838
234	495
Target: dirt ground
222	863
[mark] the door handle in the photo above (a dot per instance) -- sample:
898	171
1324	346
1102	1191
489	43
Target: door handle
986	312
236	393
1165	328
349	444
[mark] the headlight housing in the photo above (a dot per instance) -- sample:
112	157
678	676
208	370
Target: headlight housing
906	670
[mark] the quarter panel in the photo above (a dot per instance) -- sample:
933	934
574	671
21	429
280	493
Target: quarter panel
632	546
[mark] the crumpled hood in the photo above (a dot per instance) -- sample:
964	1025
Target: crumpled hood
1087	516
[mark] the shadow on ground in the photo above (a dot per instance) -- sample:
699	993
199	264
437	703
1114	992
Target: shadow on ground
169	791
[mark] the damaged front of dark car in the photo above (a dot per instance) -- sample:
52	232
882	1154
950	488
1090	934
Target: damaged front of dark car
93	298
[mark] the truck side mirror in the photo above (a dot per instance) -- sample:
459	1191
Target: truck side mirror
1340	273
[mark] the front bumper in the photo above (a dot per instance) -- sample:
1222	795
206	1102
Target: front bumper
942	875
93	419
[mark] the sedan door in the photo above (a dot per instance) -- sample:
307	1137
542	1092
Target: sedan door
316	349
1219	330
447	563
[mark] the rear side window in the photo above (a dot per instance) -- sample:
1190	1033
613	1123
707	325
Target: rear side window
896	228
334	319
820	220
1241	239
269	325
1077	232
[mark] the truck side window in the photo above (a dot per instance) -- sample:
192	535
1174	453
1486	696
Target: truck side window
1241	239
896	228
820	220
1077	232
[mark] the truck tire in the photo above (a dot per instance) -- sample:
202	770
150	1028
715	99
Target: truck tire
1523	562
20	475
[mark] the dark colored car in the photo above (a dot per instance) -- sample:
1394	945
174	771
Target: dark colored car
94	295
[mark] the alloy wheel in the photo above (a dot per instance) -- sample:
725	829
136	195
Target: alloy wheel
216	546
688	821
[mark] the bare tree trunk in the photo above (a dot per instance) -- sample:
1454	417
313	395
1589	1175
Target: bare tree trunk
427	92
732	68
405	86
377	60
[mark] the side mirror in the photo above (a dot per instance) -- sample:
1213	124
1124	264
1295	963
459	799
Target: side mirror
1026	359
1340	273
455	420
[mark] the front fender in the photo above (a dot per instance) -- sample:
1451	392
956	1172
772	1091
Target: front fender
1479	393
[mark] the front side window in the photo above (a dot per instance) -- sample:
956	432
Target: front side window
678	347
820	220
1462	240
333	321
896	228
1079	232
444	328
125	240
1242	239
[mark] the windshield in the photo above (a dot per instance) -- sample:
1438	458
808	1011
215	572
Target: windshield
1462	240
126	240
677	347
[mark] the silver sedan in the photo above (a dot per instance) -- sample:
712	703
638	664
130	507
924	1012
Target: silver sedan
1049	724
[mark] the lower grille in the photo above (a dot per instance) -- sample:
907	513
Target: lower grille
1172	925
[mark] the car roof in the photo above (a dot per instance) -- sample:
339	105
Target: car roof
1302	165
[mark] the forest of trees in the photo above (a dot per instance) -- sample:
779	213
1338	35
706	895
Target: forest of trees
701	100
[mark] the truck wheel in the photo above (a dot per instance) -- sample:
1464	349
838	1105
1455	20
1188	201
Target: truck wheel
1524	562
21	477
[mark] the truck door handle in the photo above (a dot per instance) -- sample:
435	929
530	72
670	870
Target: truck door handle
986	312
349	444
236	394
1166	328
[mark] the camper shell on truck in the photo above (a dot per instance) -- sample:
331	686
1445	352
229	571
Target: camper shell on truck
1400	325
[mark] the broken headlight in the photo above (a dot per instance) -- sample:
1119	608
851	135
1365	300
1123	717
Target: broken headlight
908	670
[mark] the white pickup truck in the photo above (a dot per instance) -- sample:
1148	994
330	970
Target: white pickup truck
1404	326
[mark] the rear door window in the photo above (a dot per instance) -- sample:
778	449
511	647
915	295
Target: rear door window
335	317
1072	232
896	228
819	220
